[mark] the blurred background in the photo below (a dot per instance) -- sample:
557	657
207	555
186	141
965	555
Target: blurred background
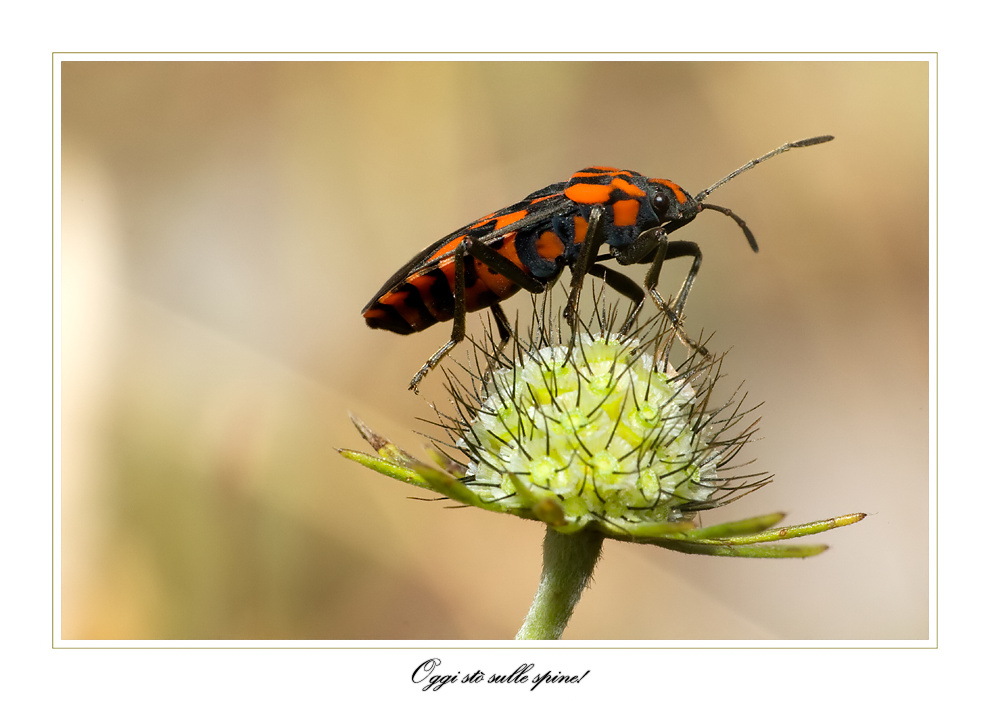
223	224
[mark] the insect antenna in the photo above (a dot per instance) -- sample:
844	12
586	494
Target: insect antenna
738	220
766	156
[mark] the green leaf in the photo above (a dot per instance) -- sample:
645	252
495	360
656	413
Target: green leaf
787	532
736	528
387	468
731	550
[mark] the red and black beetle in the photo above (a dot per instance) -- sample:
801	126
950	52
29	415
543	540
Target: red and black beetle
528	245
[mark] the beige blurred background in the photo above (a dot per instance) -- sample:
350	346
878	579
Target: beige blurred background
223	224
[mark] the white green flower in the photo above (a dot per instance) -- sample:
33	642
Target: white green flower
597	432
597	436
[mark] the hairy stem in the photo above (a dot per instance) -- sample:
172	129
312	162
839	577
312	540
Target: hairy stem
568	561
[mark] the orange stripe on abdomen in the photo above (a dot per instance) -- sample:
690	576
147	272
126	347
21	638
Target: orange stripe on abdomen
498	284
549	246
406	304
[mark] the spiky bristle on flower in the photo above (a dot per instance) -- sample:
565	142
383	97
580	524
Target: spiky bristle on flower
596	428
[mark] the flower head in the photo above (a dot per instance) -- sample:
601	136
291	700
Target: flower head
596	431
600	432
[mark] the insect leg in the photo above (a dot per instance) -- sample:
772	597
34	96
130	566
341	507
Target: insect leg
457	334
502	265
665	251
499	264
678	249
593	240
650	244
504	334
624	286
653	242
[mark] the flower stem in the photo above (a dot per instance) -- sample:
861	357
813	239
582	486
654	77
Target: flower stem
568	561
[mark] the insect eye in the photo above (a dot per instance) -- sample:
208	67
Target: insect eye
660	204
